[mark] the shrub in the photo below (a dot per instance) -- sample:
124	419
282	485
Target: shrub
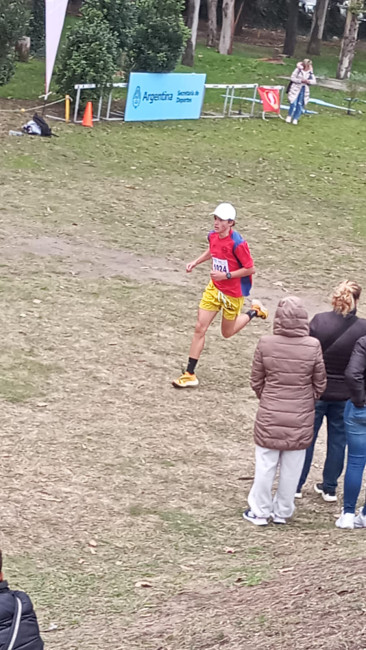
89	55
13	23
121	16
159	37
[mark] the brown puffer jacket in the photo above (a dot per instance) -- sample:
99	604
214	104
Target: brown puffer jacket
288	375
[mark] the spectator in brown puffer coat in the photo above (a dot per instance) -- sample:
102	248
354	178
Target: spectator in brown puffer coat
288	375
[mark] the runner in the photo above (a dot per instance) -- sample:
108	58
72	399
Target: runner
231	281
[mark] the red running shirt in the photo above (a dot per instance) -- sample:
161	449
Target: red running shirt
230	254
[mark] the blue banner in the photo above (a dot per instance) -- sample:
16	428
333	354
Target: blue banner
172	96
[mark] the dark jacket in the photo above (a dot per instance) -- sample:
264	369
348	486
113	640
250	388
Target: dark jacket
336	357
28	637
288	375
356	373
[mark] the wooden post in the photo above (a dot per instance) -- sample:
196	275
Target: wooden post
22	47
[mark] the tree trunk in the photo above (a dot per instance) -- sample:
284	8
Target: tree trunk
239	18
291	28
317	27
348	46
227	29
192	23
74	6
212	23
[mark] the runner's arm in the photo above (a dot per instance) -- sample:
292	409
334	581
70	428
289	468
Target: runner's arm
242	273
218	276
202	258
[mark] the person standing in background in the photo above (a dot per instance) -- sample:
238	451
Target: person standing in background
298	90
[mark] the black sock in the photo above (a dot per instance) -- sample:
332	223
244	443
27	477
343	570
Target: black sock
251	313
191	365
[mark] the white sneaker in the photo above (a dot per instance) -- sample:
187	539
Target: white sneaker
257	521
346	520
360	520
294	122
288	119
298	495
278	520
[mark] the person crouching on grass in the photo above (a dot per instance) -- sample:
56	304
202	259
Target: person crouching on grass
288	375
231	281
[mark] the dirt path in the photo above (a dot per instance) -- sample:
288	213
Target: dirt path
83	259
94	261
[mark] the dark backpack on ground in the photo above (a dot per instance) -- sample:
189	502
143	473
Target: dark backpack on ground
45	129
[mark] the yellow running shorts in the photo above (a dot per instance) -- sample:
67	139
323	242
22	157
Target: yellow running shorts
214	300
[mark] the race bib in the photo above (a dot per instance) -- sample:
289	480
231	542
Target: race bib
220	265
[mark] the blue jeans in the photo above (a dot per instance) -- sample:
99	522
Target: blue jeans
336	444
355	422
296	107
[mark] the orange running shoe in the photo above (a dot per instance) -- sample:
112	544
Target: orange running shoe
262	312
185	381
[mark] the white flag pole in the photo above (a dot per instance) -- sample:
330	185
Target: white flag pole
55	17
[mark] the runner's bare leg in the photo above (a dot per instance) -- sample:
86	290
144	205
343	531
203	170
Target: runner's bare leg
204	320
231	327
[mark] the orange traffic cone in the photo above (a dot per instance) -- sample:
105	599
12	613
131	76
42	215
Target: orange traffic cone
88	115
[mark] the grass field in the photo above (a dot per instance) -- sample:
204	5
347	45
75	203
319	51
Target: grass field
122	498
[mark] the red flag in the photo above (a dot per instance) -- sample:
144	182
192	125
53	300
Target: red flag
270	99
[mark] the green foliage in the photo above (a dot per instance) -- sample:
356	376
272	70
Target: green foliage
356	7
7	64
13	23
121	16
159	36
89	56
37	26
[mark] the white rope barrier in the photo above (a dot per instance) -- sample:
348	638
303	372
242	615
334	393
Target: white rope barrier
34	108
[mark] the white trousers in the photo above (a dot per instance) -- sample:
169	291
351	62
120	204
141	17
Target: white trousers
290	464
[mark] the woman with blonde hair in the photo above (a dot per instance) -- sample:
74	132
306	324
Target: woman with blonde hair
337	330
298	89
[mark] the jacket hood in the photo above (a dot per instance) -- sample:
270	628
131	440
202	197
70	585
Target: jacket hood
291	318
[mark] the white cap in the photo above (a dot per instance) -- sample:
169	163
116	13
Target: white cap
225	211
